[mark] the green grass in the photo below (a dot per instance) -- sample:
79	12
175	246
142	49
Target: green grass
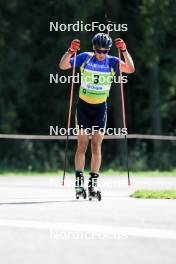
151	194
139	173
109	172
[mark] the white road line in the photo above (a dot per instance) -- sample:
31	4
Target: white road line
101	229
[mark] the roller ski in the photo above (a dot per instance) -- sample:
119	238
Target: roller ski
79	186
93	191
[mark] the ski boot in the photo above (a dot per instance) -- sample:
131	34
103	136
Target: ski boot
79	185
93	191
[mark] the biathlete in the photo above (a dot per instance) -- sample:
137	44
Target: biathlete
91	109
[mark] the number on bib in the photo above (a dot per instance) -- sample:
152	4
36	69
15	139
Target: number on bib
96	78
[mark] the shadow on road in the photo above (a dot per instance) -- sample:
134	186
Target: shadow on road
42	202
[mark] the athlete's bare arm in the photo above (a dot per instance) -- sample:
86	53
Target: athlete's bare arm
127	66
64	63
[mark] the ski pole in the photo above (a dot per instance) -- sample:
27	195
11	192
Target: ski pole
123	107
124	118
69	118
108	21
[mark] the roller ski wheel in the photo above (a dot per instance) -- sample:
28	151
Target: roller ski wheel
94	195
81	192
99	196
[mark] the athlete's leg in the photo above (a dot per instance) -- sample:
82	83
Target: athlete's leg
96	142
82	143
93	190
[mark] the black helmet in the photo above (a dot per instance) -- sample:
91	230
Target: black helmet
102	41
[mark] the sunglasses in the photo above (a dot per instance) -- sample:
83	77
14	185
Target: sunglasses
99	51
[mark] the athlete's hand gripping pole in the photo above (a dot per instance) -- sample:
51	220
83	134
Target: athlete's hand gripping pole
69	116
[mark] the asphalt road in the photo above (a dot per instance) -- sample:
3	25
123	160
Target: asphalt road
42	222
